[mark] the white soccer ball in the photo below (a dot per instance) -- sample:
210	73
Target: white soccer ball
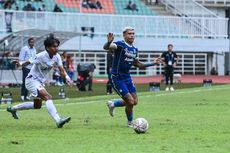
140	125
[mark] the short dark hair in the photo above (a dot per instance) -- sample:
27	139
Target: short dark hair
50	41
31	38
170	45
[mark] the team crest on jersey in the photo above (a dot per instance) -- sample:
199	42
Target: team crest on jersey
130	55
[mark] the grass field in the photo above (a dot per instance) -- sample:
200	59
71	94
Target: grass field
194	120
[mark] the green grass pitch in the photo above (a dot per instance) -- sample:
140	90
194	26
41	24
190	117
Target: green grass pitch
194	120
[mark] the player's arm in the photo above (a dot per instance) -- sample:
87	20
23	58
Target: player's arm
162	59
65	75
110	45
62	70
139	64
32	60
177	60
21	63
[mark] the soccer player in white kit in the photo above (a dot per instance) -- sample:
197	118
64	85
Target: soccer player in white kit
42	64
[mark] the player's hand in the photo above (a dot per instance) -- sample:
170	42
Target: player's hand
174	65
156	61
69	82
110	37
15	62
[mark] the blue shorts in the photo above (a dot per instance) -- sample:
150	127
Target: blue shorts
122	86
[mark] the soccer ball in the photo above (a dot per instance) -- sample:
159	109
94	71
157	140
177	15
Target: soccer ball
140	125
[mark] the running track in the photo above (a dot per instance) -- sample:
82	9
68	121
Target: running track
184	79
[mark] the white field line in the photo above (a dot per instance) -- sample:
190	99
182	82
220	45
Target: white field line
149	94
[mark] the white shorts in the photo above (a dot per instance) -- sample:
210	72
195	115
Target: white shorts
33	85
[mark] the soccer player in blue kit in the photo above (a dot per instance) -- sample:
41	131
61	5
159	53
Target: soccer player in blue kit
125	56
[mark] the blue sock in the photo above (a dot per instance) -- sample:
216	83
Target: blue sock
118	103
130	117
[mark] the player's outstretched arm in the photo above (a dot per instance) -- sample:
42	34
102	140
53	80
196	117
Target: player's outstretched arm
139	64
64	74
110	45
20	63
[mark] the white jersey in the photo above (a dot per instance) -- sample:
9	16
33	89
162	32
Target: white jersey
42	64
26	53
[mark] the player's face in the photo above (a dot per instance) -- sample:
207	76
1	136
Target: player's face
31	43
53	49
170	48
129	36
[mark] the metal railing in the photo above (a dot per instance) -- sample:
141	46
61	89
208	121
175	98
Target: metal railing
189	63
214	2
145	26
187	8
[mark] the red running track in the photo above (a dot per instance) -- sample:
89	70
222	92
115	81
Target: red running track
183	79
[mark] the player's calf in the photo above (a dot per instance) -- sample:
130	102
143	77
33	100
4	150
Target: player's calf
37	103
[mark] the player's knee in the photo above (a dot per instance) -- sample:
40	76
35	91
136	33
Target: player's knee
44	95
48	97
130	101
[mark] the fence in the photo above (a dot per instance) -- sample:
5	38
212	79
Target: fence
145	26
214	2
187	8
190	63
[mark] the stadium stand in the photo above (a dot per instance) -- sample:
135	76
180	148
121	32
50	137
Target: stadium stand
108	6
120	6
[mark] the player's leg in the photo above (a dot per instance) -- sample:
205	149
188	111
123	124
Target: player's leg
90	82
24	106
43	94
167	78
129	103
121	89
130	100
171	78
24	91
109	84
31	86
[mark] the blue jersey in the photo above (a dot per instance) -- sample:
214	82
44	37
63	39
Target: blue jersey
124	57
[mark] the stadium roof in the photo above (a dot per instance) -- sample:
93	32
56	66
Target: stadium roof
18	39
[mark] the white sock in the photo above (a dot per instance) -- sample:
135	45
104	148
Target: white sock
52	110
24	106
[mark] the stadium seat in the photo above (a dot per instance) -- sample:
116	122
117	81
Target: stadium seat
120	6
109	6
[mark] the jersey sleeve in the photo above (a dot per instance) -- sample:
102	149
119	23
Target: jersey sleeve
163	55
22	54
175	55
35	60
59	60
119	44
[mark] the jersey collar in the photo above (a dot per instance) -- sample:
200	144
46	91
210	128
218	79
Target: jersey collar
128	44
